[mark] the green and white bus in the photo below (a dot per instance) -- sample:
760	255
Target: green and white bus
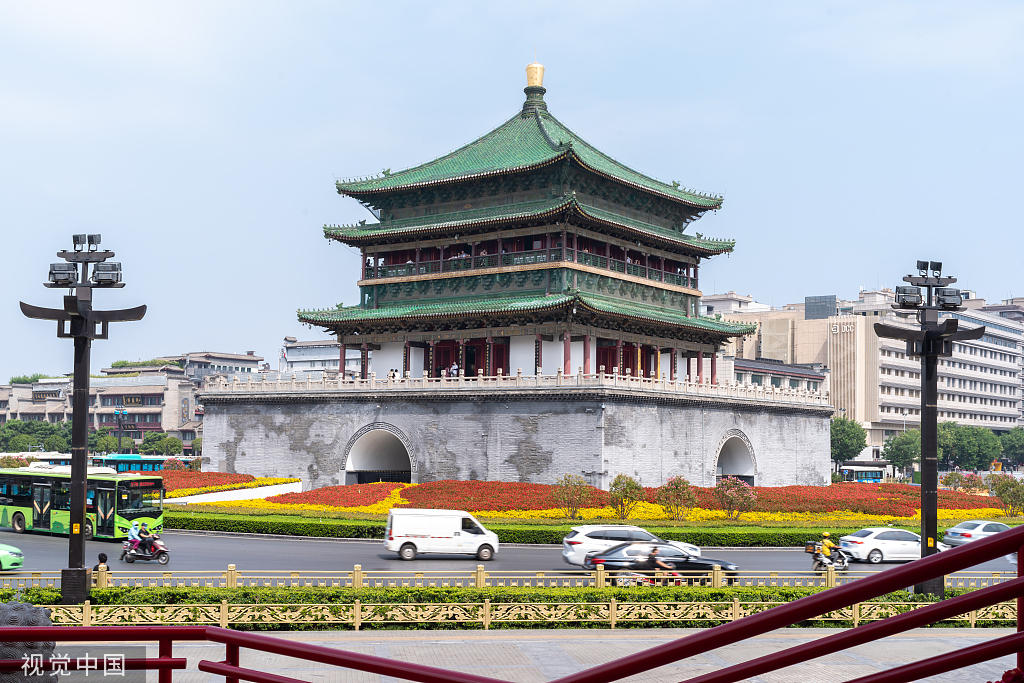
38	498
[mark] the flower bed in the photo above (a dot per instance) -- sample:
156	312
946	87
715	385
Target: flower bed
855	503
255	483
175	480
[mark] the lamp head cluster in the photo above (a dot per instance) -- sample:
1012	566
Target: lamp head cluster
938	295
86	251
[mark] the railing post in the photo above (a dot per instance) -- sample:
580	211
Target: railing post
487	614
224	624
86	614
480	577
230	650
599	576
611	612
232	577
736	609
357	614
830	576
1020	606
101	576
357	576
166	651
856	614
717	576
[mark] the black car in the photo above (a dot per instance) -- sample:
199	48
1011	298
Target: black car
632	558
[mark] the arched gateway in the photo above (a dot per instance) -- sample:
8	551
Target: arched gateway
735	458
378	452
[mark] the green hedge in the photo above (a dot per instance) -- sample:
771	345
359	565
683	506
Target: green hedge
340	596
778	537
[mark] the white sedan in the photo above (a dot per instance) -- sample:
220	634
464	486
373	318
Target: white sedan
880	544
593	538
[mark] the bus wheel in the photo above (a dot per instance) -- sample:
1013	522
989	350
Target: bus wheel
18	522
88	531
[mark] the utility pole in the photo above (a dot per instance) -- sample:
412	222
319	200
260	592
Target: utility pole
929	343
79	321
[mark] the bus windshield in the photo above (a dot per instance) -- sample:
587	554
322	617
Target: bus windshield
139	500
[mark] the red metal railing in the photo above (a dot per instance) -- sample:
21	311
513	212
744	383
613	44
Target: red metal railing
754	625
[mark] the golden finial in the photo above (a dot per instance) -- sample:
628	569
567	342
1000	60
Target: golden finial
535	73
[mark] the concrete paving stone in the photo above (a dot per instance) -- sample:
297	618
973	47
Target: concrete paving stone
670	674
589	654
754	648
449	655
806	673
524	674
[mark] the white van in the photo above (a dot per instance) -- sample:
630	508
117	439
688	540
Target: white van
413	531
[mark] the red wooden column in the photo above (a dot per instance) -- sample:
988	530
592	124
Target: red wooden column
700	367
672	366
538	355
364	360
714	368
566	352
586	354
657	362
341	362
618	355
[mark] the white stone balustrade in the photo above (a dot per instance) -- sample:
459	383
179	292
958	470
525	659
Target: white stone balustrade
683	387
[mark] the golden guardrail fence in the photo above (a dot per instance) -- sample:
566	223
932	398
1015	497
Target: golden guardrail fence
476	578
486	613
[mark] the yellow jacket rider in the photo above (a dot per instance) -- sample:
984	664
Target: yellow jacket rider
827	544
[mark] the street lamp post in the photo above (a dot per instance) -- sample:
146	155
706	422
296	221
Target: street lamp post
929	343
78	320
119	415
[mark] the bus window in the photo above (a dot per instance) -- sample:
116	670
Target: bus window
129	499
61	497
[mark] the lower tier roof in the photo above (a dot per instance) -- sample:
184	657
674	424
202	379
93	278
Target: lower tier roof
455	308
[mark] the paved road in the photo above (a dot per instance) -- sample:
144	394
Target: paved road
197	552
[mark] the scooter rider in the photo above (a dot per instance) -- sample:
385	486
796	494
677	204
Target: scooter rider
827	544
146	539
133	535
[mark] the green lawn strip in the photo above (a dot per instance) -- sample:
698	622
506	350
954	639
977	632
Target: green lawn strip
294	525
420	596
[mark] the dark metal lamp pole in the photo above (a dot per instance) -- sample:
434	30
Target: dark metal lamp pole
929	343
79	321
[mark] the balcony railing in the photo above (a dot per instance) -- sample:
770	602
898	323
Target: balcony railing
519	381
521	258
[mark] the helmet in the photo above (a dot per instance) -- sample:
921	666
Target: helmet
826	534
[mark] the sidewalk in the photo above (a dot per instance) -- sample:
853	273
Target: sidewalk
535	656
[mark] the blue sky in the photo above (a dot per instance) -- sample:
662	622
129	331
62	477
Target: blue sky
203	140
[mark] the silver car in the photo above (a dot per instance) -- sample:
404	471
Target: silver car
965	532
594	538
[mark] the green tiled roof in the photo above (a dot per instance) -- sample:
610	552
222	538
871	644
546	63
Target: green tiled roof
453	308
436	308
361	233
527	140
632	309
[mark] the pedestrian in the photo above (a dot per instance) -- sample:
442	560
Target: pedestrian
455	369
102	561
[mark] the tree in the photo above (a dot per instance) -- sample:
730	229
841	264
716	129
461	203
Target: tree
170	446
735	496
903	450
848	440
571	493
15	461
677	497
977	447
29	379
197	446
626	492
55	443
1010	492
22	443
106	444
151	443
963	481
1013	445
946	442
